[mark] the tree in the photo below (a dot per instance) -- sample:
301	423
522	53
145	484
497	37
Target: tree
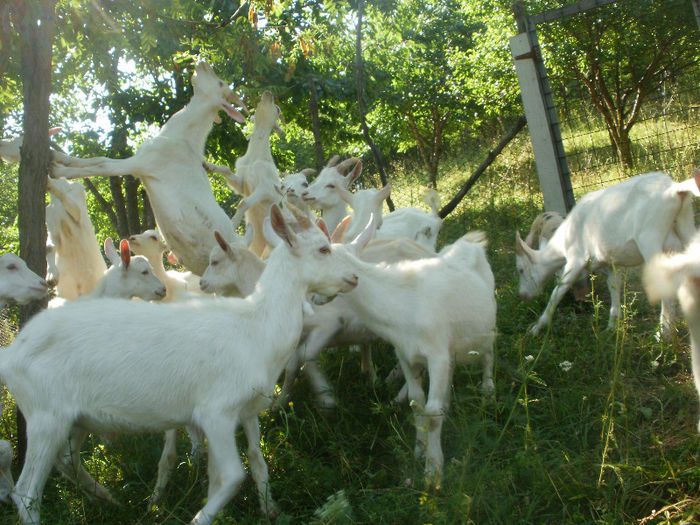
621	56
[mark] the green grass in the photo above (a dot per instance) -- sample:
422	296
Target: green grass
611	440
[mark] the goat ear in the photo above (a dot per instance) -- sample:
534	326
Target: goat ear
344	194
343	166
333	161
270	236
365	236
219	239
124	251
172	259
696	176
339	233
385	192
280	227
53	131
355	173
519	244
307	171
522	249
303	219
322	225
110	251
249	234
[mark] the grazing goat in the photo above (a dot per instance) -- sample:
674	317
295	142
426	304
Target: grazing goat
170	166
542	229
620	226
443	312
73	253
669	276
69	379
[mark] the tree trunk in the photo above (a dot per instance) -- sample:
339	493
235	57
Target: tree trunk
37	39
359	71
316	125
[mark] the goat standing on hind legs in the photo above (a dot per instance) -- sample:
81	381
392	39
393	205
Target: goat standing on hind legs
170	165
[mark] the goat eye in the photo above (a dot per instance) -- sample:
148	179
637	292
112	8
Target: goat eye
11	266
304	184
331	186
221	83
145	272
325	250
213	263
154	237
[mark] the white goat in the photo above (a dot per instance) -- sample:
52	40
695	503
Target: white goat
322	193
443	312
18	282
335	323
364	204
150	244
620	226
294	184
414	223
233	271
73	255
128	276
171	168
10	148
69	379
542	229
678	275
256	176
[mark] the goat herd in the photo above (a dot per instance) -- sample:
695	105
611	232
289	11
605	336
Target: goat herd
210	363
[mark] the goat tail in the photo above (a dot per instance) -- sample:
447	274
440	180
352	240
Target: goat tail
432	199
475	237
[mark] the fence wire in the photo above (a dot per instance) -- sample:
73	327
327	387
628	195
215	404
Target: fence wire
665	135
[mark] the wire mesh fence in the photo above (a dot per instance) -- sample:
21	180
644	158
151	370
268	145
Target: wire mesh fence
665	135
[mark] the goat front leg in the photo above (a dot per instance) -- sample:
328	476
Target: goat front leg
98	167
571	271
226	472
258	466
233	180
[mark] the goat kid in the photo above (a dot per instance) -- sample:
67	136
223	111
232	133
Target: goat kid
617	227
68	379
443	314
322	192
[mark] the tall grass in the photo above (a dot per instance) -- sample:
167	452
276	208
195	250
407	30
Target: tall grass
610	439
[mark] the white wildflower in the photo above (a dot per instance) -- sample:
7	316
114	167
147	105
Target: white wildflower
565	365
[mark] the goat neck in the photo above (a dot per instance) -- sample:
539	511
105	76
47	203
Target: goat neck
192	123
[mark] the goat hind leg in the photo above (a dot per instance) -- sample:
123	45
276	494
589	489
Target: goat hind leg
258	466
46	434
